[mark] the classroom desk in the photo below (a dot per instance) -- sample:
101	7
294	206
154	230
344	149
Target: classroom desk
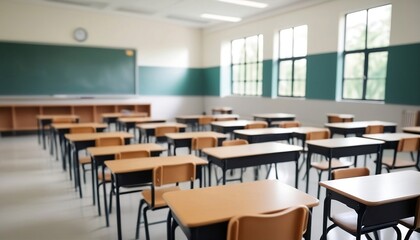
45	120
343	147
392	140
358	128
263	134
414	130
204	213
229	126
250	155
133	172
81	141
193	119
342	117
273	117
148	129
379	200
128	123
109	118
101	154
60	129
177	140
222	110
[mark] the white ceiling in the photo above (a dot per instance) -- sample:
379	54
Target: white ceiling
186	12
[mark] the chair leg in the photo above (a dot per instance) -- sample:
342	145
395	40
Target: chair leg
169	225
146	223
376	235
84	173
398	232
319	186
111	193
368	237
407	236
97	196
139	218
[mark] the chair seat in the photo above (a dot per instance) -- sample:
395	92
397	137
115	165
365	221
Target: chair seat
85	160
107	177
335	164
159	202
346	221
399	163
407	222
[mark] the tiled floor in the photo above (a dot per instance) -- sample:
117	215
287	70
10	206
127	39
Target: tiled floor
38	201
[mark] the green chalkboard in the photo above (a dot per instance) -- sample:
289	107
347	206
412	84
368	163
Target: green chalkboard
35	69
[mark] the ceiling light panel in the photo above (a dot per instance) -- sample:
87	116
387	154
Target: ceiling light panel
220	17
246	3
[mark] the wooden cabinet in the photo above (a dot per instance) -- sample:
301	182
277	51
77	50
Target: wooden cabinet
23	117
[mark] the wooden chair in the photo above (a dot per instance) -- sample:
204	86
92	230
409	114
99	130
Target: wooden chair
337	119
64	120
83	160
348	220
152	198
289	124
412	223
406	145
226	143
322	165
204	121
289	224
234	142
161	131
199	143
372	129
255	125
103	176
132	154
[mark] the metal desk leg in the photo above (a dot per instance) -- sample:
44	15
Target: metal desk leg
117	195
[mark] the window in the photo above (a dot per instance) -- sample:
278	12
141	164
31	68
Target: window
246	67
292	61
367	35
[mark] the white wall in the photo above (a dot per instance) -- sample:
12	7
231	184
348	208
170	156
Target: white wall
324	21
157	44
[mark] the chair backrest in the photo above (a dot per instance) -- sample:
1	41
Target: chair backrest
132	154
82	129
174	173
256	125
63	120
198	143
161	131
109	141
234	142
334	119
350	172
408	145
289	224
325	134
371	129
204	120
289	124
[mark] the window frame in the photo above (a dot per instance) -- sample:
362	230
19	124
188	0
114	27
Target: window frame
366	52
245	63
293	59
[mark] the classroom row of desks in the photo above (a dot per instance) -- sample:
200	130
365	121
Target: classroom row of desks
127	171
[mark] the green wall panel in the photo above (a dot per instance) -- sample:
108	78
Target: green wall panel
212	81
321	76
403	78
268	83
170	81
35	69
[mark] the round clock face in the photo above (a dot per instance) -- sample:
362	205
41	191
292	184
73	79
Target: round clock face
80	34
